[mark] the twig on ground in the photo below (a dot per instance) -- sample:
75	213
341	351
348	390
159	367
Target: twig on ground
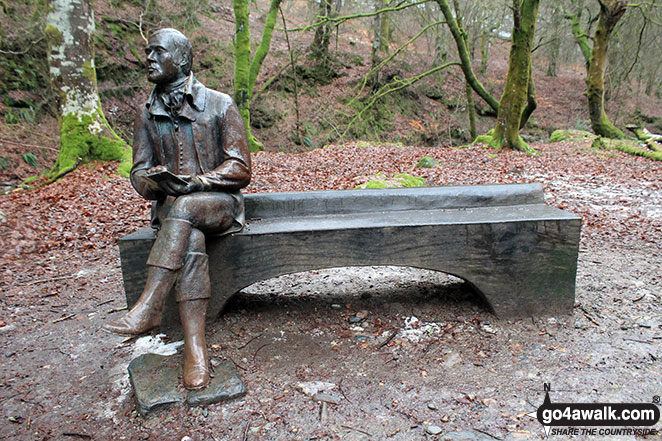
356	430
391	337
61	319
248	425
638	341
50	279
488	434
110	311
343	392
638	298
249	341
237	364
588	316
259	349
77	435
25	144
105	303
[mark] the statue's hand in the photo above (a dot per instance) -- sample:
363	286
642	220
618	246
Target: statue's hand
151	185
176	189
156	169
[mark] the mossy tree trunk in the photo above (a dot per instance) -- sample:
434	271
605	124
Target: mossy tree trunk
611	12
531	100
554	47
465	59
471	110
85	134
511	105
246	69
581	35
484	50
320	45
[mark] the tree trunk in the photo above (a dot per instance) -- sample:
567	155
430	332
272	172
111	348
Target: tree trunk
464	56
245	69
581	35
506	132
484	50
385	30
320	44
376	34
554	47
531	100
85	134
242	62
611	12
468	91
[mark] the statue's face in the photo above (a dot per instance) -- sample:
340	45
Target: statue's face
162	65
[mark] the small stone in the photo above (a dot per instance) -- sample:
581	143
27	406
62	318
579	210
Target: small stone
312	388
433	430
362	314
354	320
432	406
360	338
452	359
326	398
336	306
7	328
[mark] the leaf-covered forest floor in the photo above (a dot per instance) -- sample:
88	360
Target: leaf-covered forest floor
455	366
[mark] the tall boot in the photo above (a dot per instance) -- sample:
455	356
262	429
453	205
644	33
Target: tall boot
146	313
196	360
165	258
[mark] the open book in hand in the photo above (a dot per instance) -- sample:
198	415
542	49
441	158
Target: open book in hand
165	176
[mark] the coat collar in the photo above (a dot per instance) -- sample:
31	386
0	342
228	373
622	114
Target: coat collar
195	101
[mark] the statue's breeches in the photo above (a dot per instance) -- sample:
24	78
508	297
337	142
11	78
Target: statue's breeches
193	278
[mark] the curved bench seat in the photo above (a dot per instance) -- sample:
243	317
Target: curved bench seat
519	254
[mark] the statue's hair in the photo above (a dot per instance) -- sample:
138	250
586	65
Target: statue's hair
182	48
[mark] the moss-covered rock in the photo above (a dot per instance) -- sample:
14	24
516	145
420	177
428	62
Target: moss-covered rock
399	180
571	136
427	162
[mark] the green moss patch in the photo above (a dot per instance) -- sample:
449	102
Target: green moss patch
631	147
427	162
79	141
400	180
571	136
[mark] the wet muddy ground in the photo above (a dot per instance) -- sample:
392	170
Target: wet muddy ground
401	349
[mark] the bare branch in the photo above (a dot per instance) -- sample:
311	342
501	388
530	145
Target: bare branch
344	18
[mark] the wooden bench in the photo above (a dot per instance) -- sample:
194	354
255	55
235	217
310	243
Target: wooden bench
517	252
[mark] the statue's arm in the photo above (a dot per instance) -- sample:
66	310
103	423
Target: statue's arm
235	170
143	160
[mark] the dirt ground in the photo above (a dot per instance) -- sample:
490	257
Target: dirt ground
403	348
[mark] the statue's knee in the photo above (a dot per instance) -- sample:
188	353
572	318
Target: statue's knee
197	241
181	208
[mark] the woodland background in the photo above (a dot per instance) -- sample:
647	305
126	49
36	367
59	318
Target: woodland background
334	72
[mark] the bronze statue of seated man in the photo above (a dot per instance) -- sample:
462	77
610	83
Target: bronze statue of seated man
191	157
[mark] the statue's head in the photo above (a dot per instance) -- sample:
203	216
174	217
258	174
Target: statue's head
169	56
